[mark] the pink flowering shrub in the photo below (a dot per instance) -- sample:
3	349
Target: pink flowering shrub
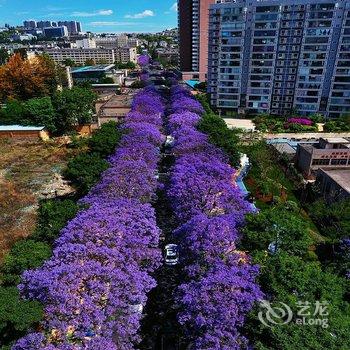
301	121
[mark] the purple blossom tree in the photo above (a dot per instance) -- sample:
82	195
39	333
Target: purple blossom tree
143	60
96	283
219	288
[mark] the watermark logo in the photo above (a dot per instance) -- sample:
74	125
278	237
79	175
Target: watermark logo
308	314
274	315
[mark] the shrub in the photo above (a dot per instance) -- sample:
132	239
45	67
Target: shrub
52	217
84	171
24	255
16	315
104	141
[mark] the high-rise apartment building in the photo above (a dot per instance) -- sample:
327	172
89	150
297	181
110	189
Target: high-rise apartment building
44	24
29	24
193	18
277	56
56	32
72	26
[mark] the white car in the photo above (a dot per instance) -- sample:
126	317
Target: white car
169	142
171	254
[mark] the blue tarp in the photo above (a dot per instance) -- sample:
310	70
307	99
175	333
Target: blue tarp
192	83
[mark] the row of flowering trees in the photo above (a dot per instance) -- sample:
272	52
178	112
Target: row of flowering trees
95	285
219	287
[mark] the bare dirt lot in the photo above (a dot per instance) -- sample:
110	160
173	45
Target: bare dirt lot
29	170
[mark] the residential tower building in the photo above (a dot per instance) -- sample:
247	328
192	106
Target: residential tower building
193	17
280	56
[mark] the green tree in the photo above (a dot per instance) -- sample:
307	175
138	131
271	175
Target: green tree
24	255
4	56
277	224
53	215
104	141
90	62
289	279
204	100
221	136
40	111
36	111
84	171
73	107
138	84
16	315
69	62
127	65
13	112
333	220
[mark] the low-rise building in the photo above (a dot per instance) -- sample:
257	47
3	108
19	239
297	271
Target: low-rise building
125	54
24	132
106	42
327	153
116	108
92	74
334	184
105	89
86	43
23	37
80	56
133	42
96	74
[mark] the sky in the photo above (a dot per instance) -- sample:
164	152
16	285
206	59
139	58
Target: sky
102	16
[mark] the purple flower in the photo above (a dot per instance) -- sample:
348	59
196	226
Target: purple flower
143	60
98	278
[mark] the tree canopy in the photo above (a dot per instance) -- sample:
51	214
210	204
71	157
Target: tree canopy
73	107
24	79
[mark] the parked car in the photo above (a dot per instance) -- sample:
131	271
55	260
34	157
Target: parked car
169	142
171	254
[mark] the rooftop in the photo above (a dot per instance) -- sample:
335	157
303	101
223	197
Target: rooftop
284	147
341	177
21	128
336	140
118	101
98	68
192	83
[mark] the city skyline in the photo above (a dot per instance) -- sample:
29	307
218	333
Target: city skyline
104	17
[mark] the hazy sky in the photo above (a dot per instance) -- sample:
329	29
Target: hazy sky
96	16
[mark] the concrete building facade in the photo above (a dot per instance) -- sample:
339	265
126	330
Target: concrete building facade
80	56
334	184
327	154
278	56
86	43
193	20
56	32
125	54
73	27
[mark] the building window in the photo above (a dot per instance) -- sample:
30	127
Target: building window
338	161
320	162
